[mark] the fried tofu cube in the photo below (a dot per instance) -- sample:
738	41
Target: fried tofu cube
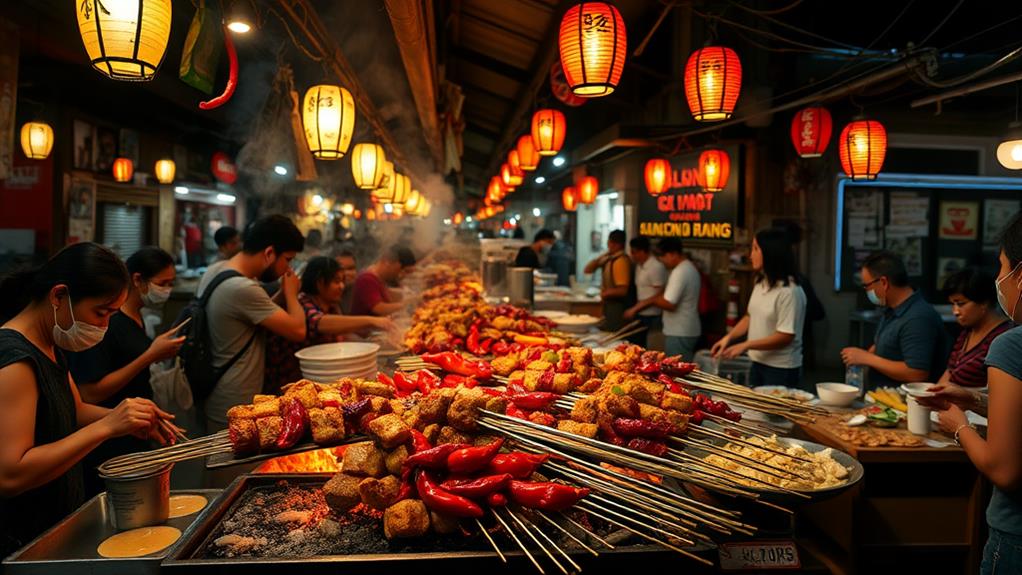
663	416
483	439
379	404
676	402
406	518
244	436
539	365
450	435
269	429
413	417
363	460
373	388
590	385
584	372
465	407
395	459
327	425
432	432
531	381
397	406
390	430
645	391
241	412
379	493
615	378
577	428
585	410
260	398
341	492
433	407
678	420
443	524
618	405
564	383
503	322
517	375
266	408
504	365
497	404
331	397
306	394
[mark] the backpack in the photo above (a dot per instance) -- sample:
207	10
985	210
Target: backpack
196	353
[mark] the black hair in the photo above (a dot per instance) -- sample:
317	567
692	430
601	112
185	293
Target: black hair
345	253
319	268
87	269
542	235
1011	240
277	232
640	243
885	263
669	246
400	254
792	228
224	235
618	237
314	238
778	258
148	262
973	283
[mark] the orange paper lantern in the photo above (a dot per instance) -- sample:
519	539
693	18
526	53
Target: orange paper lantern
715	168
713	79
862	148
123	169
509	177
588	188
457	218
658	176
593	44
528	155
569	199
810	132
548	129
495	191
357	214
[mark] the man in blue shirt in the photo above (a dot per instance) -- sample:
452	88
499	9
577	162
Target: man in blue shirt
911	343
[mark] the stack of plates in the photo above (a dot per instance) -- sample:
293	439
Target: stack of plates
332	361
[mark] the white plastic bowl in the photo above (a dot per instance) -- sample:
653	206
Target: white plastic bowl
837	394
576	323
917	389
340	351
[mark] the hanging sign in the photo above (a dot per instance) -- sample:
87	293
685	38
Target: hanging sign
223	168
687	211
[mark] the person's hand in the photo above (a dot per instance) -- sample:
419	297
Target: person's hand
290	284
720	346
951	419
134	416
734	351
630	313
946	395
854	356
384	324
165	346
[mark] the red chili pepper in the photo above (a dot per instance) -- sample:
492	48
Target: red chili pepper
696	417
232	75
489	390
732	415
363	422
385	380
486	345
542	418
534	353
331	403
419	441
496	500
296	421
519	465
650	446
427	381
442	501
513	411
402	383
407	486
608	434
456	363
500	348
472	459
472	343
546	496
536	400
671	385
545	381
458	342
564	365
478	488
515	387
673	366
627	427
432	458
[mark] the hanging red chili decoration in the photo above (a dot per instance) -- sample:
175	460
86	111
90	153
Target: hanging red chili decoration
232	77
810	131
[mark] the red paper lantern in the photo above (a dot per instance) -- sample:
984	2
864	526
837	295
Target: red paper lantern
559	86
658	176
810	132
548	129
569	199
515	163
862	148
588	189
495	191
713	79
457	218
715	167
509	177
528	155
593	44
123	169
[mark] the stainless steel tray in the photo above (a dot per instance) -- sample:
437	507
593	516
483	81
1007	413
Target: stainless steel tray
69	547
228	459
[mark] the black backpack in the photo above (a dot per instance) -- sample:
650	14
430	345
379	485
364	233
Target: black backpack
197	351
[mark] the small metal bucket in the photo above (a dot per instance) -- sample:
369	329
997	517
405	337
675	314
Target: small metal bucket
139	500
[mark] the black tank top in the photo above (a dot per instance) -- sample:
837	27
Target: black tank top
25	516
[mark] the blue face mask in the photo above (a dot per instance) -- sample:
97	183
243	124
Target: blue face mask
874	298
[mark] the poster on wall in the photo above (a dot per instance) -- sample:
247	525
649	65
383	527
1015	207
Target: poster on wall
946	267
959	220
910	250
81	202
9	46
690	213
996	215
106	149
84	139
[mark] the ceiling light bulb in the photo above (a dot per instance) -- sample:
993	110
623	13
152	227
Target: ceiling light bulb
559	161
280	170
536	212
317	200
181	190
540	180
239	27
226	198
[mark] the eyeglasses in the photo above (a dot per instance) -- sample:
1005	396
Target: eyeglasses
867	284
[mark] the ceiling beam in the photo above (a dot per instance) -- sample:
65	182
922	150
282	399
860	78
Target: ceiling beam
490	63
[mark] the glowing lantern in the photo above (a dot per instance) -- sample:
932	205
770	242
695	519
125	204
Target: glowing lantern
810	132
414	202
125	39
490	211
509	177
514	162
862	148
457	218
548	129
328	115
385	193
715	168
371	215
357	214
165	170
658	176
1009	151
593	43
528	155
569	199
588	188
367	165
36	140
402	189
713	78
123	169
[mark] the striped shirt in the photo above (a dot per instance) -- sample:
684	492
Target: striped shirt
967	367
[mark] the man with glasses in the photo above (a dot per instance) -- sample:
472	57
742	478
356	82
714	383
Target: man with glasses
911	344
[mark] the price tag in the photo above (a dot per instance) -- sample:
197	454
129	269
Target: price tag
759	555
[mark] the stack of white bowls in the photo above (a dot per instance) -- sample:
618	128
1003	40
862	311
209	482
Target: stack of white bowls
332	361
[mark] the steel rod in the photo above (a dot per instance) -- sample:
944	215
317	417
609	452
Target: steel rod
524	519
568	533
518	542
654	539
493	543
523	528
578	525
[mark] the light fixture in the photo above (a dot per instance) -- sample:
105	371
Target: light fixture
517	216
1009	151
810	131
457	218
593	44
658	176
414	202
569	199
613	196
713	79
36	140
528	155
123	169
536	212
226	198
402	189
540	179
357	214
388	208
548	129
125	39
468	219
347	208
367	165
240	17
280	170
182	190
559	161
588	188
317	200
165	170
328	115
715	168
862	148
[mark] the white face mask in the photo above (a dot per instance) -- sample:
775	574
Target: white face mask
156	296
81	335
1000	295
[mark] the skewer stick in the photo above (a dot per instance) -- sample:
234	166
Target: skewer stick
585	530
168	456
723	421
623	336
617	334
493	543
521	526
653	539
568	533
681	531
517	541
639	522
523	519
771	470
733	439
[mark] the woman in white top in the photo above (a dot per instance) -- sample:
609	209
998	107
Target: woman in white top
773	323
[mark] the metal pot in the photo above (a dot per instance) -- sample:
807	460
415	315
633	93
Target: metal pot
521	287
494	274
139	500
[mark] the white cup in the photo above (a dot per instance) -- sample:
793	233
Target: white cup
918	417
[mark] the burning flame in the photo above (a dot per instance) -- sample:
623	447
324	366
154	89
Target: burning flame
320	461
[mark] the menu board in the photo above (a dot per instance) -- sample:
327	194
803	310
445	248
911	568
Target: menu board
690	213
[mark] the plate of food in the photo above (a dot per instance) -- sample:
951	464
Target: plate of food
550	313
785	392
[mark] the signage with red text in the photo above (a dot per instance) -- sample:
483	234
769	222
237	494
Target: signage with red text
687	211
223	168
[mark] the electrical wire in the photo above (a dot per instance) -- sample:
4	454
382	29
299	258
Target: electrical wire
1010	56
780	10
980	33
942	22
711	18
294	40
784	24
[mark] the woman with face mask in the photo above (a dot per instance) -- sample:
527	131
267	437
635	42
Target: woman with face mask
46	428
118	367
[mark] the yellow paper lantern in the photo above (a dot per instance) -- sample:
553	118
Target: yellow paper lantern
414	202
125	39
165	170
329	119
123	169
367	165
402	189
36	140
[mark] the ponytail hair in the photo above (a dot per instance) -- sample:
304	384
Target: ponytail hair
89	270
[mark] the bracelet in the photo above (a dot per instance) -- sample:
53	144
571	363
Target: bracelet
959	430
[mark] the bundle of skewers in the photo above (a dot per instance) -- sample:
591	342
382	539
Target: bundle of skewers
149	461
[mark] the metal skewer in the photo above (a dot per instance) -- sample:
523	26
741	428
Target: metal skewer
581	527
568	533
733	439
653	539
493	543
517	541
524	523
